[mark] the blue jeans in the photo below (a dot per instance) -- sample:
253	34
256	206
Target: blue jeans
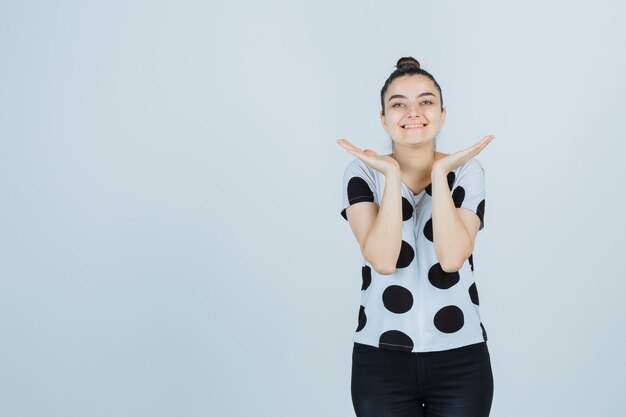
450	383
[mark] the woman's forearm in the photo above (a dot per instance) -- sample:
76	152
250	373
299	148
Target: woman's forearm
451	239
384	239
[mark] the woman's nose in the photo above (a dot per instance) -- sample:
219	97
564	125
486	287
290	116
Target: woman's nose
414	109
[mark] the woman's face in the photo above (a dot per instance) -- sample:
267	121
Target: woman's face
412	100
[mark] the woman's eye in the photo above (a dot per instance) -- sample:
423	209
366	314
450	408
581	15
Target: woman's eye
425	101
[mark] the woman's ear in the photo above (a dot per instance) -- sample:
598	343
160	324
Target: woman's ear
383	121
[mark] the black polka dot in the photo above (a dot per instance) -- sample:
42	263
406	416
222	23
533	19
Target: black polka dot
397	299
358	191
473	293
484	332
428	229
396	340
442	279
449	319
366	277
471	261
407	209
480	212
451	176
362	319
406	255
458	195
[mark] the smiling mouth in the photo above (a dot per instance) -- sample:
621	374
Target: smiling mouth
414	126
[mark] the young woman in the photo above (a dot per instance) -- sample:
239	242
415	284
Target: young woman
420	348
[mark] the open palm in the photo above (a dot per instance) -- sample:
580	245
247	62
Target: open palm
383	163
456	159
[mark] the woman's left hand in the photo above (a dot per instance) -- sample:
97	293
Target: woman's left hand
450	162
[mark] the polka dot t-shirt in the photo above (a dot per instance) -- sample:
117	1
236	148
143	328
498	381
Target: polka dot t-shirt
420	307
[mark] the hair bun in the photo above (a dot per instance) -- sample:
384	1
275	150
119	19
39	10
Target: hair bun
407	60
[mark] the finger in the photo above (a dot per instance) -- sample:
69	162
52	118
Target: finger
478	146
359	154
355	151
483	142
467	154
487	139
344	143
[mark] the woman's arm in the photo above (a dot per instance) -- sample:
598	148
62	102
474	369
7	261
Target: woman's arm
454	229
379	229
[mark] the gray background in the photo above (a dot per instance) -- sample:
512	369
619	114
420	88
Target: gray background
170	238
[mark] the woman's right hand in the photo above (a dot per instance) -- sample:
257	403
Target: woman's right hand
382	163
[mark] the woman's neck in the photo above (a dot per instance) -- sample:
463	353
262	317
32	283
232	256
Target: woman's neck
416	163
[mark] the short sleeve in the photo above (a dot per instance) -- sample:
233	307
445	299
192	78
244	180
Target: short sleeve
469	189
358	185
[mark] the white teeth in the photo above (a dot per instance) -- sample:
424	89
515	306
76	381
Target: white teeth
412	126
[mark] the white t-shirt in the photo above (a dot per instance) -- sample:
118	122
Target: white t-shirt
420	307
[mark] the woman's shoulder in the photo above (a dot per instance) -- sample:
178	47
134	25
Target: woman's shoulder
472	163
357	165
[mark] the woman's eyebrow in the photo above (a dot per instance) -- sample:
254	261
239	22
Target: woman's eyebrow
420	95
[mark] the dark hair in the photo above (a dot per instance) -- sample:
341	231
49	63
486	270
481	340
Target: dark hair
407	66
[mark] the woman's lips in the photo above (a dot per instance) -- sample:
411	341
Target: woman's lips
414	128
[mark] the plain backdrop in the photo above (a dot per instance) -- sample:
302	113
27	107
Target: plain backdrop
170	188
